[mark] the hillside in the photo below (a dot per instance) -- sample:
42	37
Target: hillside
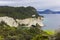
10	28
18	12
15	14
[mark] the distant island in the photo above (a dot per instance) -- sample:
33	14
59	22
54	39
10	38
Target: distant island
47	11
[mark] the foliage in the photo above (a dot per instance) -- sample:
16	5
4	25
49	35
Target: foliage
57	36
19	33
50	32
40	37
18	12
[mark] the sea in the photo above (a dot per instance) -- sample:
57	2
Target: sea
51	21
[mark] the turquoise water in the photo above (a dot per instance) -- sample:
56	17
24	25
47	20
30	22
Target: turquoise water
51	21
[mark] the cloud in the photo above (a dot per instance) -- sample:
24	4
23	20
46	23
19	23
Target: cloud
38	4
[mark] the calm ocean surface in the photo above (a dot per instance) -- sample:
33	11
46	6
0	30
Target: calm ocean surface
51	21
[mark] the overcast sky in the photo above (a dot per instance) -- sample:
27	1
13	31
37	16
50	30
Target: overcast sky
38	4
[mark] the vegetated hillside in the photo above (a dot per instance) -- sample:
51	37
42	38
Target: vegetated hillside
18	12
20	33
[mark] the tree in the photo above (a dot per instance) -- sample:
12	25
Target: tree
57	36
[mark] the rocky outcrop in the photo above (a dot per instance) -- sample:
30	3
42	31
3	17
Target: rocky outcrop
28	22
9	21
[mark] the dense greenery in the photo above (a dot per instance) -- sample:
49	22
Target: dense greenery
57	36
21	33
18	12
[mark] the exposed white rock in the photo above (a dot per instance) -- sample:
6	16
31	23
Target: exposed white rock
15	23
31	21
9	21
33	15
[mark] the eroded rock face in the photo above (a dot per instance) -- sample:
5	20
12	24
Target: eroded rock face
9	21
31	21
28	22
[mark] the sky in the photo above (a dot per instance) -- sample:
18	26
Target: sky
38	4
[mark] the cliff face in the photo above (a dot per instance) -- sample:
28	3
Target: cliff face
28	22
15	16
31	21
9	21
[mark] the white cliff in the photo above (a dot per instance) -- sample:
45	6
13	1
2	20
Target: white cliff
9	21
30	21
15	23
